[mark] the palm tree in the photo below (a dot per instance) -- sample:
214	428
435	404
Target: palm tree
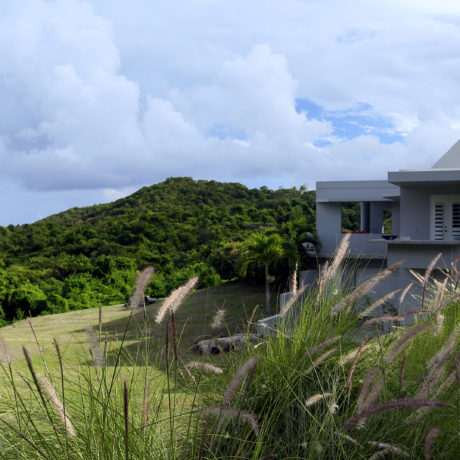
263	249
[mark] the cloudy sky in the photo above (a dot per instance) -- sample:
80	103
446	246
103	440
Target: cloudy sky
101	97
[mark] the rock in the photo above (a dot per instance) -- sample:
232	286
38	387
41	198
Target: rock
223	344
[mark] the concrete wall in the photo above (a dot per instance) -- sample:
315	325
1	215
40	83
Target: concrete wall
376	215
361	244
328	225
415	213
419	254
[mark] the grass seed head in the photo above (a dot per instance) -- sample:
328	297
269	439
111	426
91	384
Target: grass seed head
432	434
230	413
204	367
96	352
235	383
58	406
315	398
391	405
175	299
218	320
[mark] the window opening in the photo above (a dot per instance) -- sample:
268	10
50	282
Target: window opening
387	221
351	218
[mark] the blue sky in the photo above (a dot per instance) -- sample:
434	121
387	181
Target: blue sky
352	123
99	98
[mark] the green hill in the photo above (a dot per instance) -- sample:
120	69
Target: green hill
85	256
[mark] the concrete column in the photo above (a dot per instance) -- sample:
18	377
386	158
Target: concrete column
365	216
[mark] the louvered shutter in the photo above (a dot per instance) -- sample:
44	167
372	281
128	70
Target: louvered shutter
438	222
456	221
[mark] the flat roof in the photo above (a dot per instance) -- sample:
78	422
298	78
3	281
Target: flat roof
414	176
355	190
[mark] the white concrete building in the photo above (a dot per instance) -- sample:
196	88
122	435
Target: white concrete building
424	208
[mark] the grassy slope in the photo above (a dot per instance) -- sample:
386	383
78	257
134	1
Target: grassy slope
194	319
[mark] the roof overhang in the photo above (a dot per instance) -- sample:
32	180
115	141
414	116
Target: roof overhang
357	190
424	176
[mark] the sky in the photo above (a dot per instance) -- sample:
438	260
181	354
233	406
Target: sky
101	97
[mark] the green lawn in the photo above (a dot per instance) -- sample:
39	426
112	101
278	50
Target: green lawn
193	318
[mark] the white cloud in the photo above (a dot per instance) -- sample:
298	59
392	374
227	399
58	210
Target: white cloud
104	95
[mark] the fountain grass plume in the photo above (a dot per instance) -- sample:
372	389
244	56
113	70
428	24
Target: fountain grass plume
448	381
428	272
292	300
315	398
373	393
203	439
402	369
378	302
355	362
405	292
351	354
293	279
439	324
330	270
218	319
408	335
364	288
389	448
58	405
319	360
95	349
238	379
322	345
365	388
439	293
429	440
231	413
204	367
392	318
417	276
143	279
340	254
437	365
175	299
391	405
447	302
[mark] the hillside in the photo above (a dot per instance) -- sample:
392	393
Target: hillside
85	256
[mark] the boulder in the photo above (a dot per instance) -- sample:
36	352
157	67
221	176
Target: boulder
223	344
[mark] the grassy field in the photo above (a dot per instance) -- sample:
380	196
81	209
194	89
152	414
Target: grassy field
310	392
194	320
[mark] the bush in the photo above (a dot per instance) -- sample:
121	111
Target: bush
24	300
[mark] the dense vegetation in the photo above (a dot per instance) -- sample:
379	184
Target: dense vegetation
85	256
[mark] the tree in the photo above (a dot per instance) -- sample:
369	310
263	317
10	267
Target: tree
263	249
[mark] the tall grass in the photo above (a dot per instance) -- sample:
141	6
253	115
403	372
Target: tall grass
316	389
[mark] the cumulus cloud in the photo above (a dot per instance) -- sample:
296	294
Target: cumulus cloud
98	95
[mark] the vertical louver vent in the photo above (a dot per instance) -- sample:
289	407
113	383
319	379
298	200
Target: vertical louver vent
439	221
456	221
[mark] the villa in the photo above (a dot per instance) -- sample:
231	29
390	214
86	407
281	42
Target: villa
422	206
